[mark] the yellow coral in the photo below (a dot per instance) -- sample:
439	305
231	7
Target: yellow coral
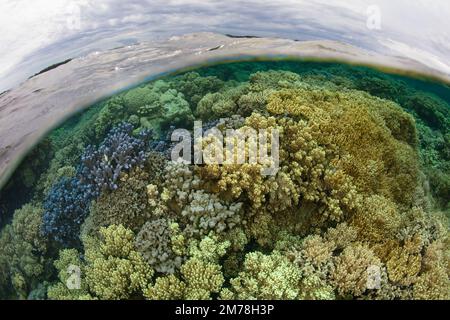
377	157
166	288
349	274
201	278
404	262
434	282
114	269
68	260
128	205
432	285
22	251
377	220
266	277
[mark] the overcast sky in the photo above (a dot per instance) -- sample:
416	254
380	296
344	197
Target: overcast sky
35	34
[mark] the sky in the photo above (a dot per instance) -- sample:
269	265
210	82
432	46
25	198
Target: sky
38	33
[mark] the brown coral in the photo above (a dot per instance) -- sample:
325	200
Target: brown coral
349	274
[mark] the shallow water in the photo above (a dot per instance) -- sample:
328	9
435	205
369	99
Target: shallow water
363	184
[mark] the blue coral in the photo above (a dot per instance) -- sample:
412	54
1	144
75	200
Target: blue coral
120	151
66	207
67	204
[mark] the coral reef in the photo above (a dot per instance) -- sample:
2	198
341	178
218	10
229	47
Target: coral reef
154	242
357	207
350	271
69	264
200	277
194	87
266	277
126	205
115	270
22	249
120	151
66	208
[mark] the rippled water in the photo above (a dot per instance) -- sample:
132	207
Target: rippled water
30	110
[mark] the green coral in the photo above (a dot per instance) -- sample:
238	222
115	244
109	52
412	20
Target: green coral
194	87
68	265
266	277
114	269
167	109
200	277
432	110
22	255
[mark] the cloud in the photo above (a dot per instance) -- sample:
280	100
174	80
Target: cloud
40	32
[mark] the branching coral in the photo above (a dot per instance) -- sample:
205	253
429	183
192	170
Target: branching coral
198	211
352	122
127	205
266	277
434	111
205	212
115	270
169	109
66	208
434	282
350	272
306	176
120	151
141	96
22	251
194	86
113	112
404	262
154	242
72	285
378	219
200	276
220	104
354	210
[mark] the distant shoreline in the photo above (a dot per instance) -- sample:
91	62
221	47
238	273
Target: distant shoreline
53	66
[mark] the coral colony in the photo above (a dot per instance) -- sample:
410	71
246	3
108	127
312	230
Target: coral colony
162	191
244	145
